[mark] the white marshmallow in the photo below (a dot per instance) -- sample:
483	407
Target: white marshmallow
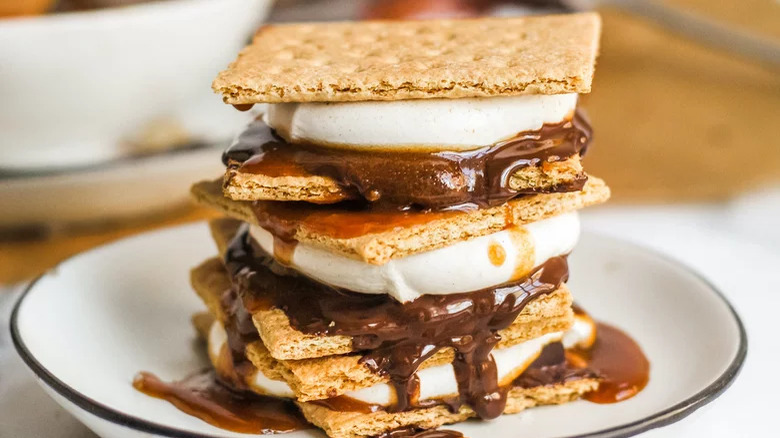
216	340
462	267
264	385
581	334
430	124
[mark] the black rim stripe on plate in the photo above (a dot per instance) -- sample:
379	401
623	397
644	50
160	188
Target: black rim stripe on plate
667	416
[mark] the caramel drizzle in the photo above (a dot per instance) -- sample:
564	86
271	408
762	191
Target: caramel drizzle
397	337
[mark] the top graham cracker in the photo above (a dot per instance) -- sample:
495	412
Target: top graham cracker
395	60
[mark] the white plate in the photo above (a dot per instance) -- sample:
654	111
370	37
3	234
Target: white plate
130	187
86	328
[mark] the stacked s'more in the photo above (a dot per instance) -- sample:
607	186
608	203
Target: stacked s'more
399	218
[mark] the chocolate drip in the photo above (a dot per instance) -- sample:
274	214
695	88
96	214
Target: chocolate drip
203	396
240	331
413	432
243	107
552	368
420	179
477	376
345	403
397	337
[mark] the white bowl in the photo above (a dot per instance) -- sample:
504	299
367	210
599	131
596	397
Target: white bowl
75	86
87	327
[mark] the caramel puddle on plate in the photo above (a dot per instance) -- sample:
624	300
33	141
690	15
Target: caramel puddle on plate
618	360
201	395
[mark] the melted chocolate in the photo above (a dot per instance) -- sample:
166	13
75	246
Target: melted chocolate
243	107
203	396
614	358
413	178
398	337
345	403
413	432
552	367
234	367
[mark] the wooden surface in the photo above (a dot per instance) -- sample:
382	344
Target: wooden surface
675	120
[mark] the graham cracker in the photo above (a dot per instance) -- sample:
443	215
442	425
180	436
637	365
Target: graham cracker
201	322
222	231
547	313
210	281
442	229
245	186
395	60
358	425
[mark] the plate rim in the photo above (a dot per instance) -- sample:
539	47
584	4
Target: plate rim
661	418
194	148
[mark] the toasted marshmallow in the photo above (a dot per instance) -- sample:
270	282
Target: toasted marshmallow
463	267
427	124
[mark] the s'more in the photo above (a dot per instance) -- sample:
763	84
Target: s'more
393	256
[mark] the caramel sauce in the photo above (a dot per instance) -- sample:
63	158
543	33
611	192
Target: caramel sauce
619	362
524	262
396	337
496	254
202	395
345	221
284	249
416	179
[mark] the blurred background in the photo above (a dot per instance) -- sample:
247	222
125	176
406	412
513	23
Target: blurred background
107	116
